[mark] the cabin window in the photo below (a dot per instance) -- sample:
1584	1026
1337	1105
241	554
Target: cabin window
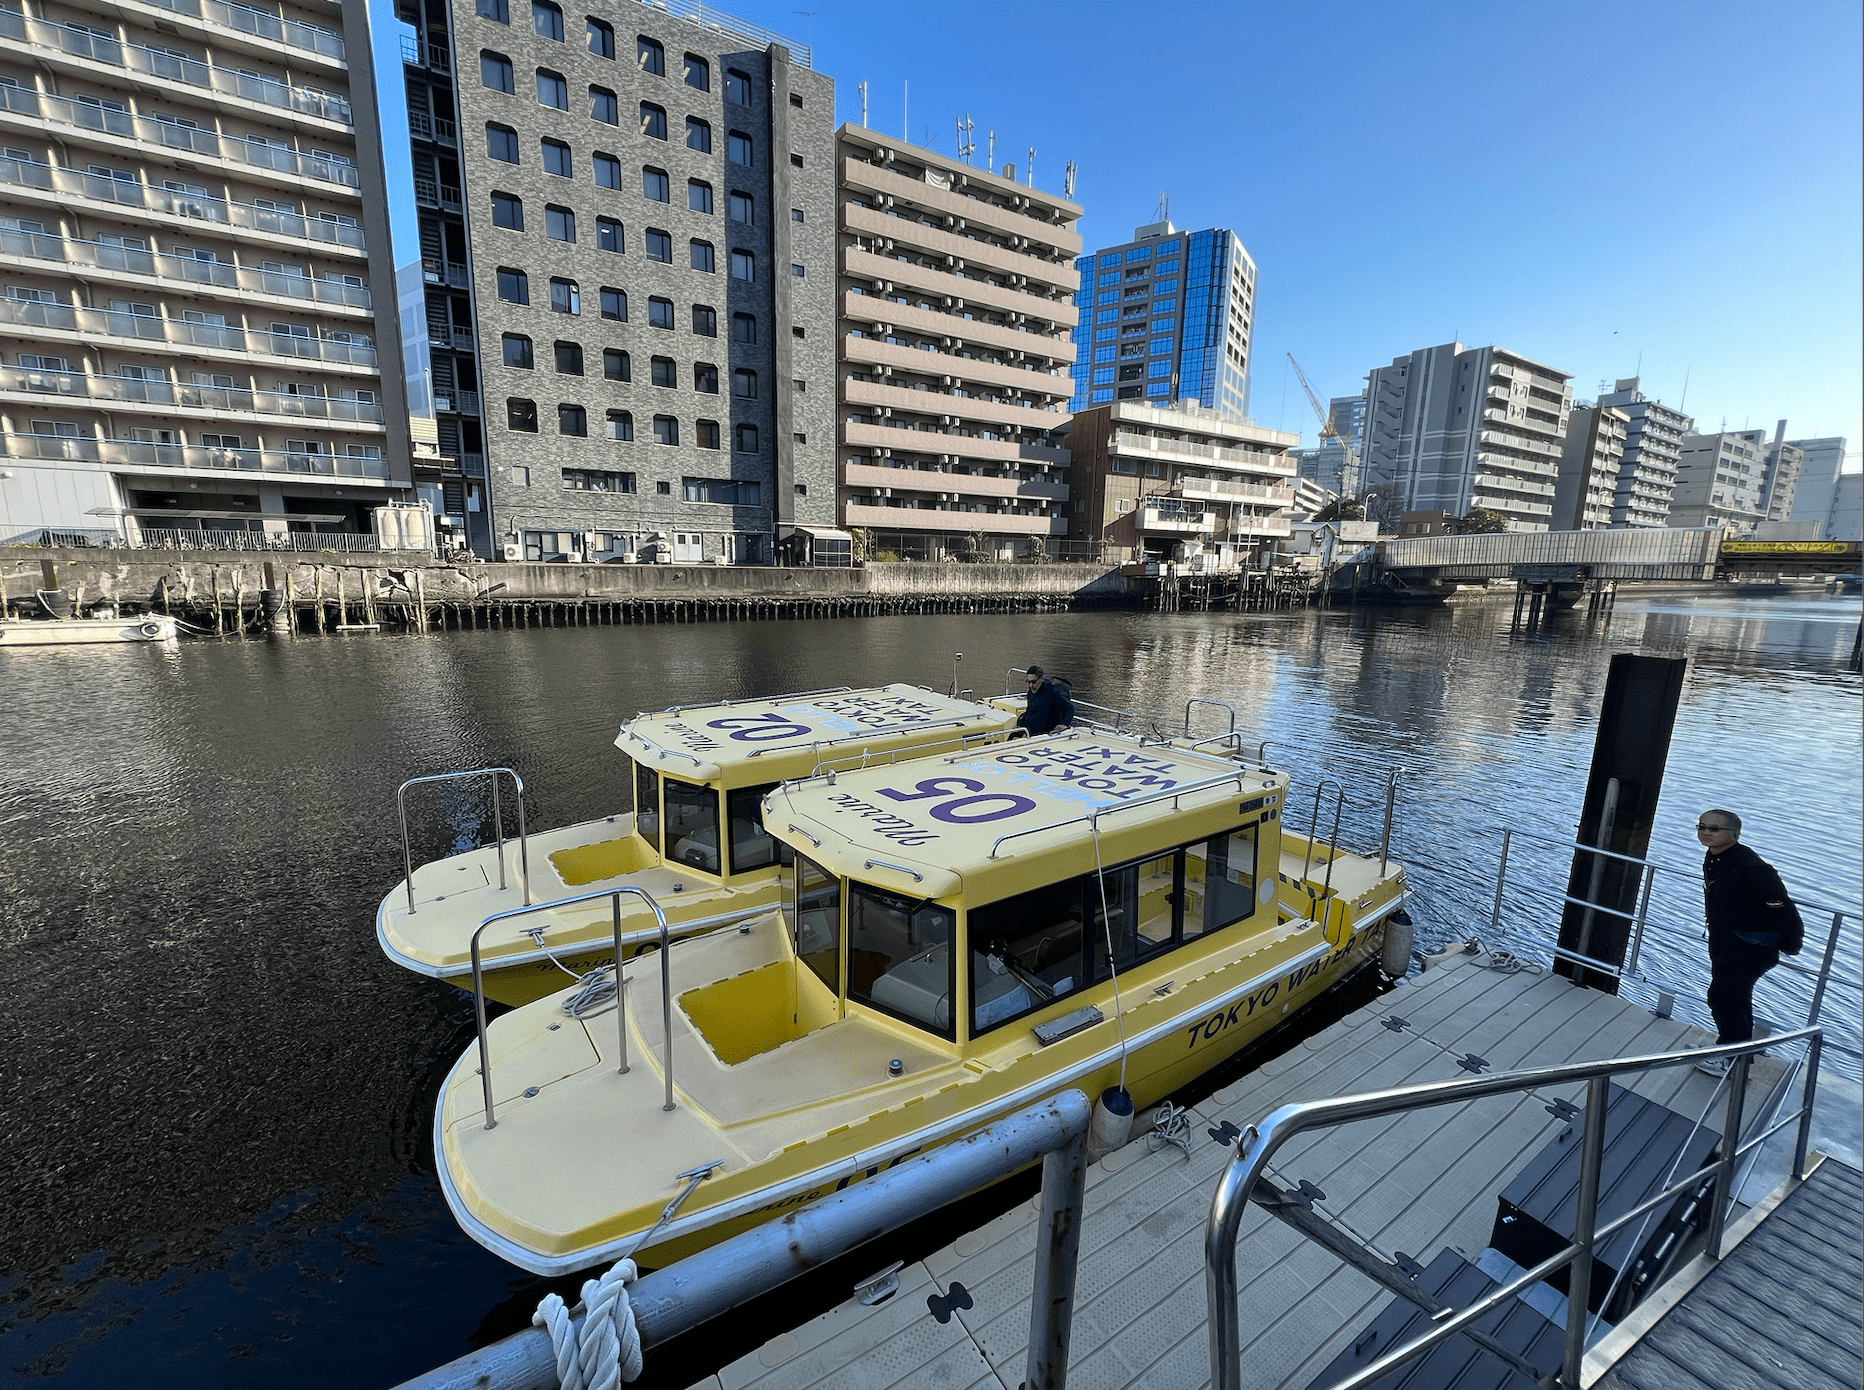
692	825
1141	899
1026	951
818	921
647	805
1219	881
899	956
752	847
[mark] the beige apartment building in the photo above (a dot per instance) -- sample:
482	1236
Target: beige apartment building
189	332
1590	462
956	314
1150	479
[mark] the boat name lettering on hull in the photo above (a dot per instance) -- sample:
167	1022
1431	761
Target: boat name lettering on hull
1224	1019
802	1198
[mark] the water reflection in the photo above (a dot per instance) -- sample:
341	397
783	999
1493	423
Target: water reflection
217	1094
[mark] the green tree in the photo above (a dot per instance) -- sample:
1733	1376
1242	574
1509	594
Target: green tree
1477	521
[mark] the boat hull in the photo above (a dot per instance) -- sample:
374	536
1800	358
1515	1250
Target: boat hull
84	632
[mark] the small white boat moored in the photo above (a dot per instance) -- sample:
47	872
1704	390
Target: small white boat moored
83	632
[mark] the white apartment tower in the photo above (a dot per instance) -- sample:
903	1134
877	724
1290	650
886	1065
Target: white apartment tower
1647	472
188	322
1721	480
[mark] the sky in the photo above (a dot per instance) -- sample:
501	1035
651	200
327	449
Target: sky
1591	185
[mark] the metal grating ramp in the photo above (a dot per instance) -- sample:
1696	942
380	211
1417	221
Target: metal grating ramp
1782	1311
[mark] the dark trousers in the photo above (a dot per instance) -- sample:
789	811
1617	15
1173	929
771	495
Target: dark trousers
1733	969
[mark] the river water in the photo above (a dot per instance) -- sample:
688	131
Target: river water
216	1168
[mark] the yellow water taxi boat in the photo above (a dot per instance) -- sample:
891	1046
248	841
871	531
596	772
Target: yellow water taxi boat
960	936
695	841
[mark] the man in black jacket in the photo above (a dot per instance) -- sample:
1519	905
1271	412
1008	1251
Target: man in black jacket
1751	921
1049	706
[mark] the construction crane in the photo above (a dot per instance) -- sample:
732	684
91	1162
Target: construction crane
1349	470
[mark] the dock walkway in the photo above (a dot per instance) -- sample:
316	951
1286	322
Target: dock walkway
1410	1185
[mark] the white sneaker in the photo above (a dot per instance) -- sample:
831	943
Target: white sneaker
1713	1066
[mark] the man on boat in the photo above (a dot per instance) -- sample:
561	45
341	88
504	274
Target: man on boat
1049	707
1751	921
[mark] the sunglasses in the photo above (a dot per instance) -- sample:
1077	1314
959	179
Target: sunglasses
1712	829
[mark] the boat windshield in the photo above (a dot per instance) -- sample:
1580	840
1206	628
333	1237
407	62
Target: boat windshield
692	825
818	921
899	956
752	847
647	804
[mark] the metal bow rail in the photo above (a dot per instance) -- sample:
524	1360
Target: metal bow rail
498	824
621	998
1258	1144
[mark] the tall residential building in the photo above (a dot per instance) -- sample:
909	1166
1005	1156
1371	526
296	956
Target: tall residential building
195	251
1589	467
1172	317
1825	493
1783	463
1721	479
629	238
1451	428
1147	478
956	305
1647	474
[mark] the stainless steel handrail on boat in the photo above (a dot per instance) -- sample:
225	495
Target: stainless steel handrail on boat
1200	700
498	823
1093	817
1313	836
621	1005
1257	1144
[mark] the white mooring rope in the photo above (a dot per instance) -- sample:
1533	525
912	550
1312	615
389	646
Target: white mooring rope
609	1349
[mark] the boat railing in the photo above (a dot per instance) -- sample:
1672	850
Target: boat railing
886	731
1639	918
755	700
824	770
1200	700
1092	819
1333	841
657	933
1126	716
498	823
1243	1182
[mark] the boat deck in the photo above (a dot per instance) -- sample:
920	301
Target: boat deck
1413	1184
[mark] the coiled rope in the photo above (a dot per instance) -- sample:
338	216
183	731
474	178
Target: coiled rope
608	1350
1170	1125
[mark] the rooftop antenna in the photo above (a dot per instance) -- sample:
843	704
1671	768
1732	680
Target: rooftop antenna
809	26
863	89
1067	180
906	128
966	145
1163	212
1681	403
1032	166
990	153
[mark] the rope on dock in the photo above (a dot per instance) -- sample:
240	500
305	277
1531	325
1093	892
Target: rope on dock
609	1349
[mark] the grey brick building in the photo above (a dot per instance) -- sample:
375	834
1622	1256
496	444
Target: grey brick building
647	205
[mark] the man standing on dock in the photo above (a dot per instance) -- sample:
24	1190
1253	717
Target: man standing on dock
1751	920
1049	706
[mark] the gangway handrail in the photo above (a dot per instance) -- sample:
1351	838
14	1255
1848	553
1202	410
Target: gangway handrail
1257	1144
498	824
621	1006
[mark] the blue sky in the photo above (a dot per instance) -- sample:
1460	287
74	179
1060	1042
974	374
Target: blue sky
1578	182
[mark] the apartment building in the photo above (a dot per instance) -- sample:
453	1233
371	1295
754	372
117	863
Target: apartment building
1721	480
630	221
955	310
191	204
1783	463
1825	493
1647	471
1590	461
1147	479
1172	317
1452	428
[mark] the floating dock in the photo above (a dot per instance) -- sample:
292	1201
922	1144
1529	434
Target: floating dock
1408	1188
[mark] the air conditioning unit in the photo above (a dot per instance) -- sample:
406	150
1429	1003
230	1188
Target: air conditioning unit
513	551
574	557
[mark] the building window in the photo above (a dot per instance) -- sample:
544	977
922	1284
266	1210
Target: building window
698	135
659	246
603	106
698	195
743	265
559	223
558	160
741	207
654	185
705	378
659	313
607	171
701	255
498	11
601	39
1158	368
663	489
653	121
609	235
552	90
593	480
651	56
744	439
572	419
564	297
698	73
723	492
546	20
705	320
495	72
662	372
666	430
799	384
744	384
614	304
707	433
514	286
520	415
501	143
743	328
569	358
796	214
737	87
621	425
797	270
616	365
517	350
738	148
508	211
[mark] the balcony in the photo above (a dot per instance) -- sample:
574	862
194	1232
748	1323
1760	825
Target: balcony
875	178
1058	276
878	351
27	174
1174	516
866	477
110	51
1507	463
135	454
143	329
1224	490
951	519
260	24
866	310
949	448
962	292
185	270
1152	448
161	396
955	407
